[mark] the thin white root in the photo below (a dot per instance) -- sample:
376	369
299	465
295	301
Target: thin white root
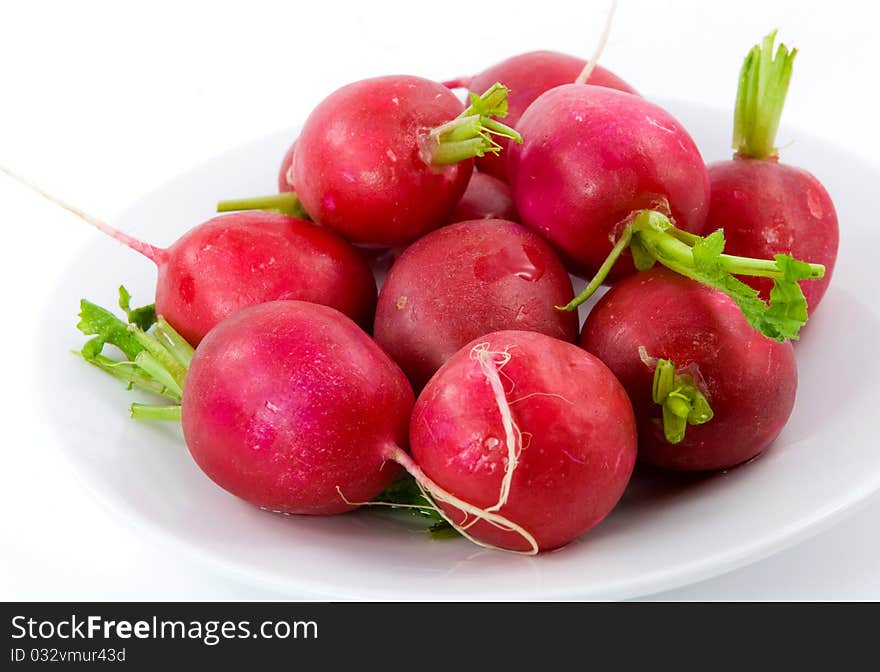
433	491
541	394
491	363
603	40
374	503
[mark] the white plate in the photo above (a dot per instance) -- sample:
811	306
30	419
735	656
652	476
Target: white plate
668	530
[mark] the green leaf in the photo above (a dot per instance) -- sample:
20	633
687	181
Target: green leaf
787	310
406	491
107	328
150	364
788	306
144	317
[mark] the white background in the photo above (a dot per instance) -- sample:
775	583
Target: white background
102	101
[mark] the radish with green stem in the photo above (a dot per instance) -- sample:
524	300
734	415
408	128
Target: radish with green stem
709	391
465	280
238	260
385	160
651	237
593	156
767	207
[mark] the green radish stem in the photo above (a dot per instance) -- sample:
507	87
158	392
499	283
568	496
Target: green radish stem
157	357
760	97
472	132
151	412
652	237
680	397
287	203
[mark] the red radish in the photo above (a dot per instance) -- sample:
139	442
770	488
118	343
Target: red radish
486	197
687	356
764	206
593	156
385	160
528	76
238	260
234	261
285	179
528	427
288	404
463	281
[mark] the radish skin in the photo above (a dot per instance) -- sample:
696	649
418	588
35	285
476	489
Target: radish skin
288	403
486	197
465	280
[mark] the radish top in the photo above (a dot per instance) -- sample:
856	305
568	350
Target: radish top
652	237
760	97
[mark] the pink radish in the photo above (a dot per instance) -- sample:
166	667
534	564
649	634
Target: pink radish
709	392
234	261
275	406
385	160
463	281
486	197
593	156
528	427
527	76
764	206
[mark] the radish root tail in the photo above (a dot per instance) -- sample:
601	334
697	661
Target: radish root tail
491	363
433	492
154	254
603	40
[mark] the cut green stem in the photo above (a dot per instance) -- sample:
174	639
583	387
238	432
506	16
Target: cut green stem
472	133
652	237
760	97
151	412
286	203
682	401
156	361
